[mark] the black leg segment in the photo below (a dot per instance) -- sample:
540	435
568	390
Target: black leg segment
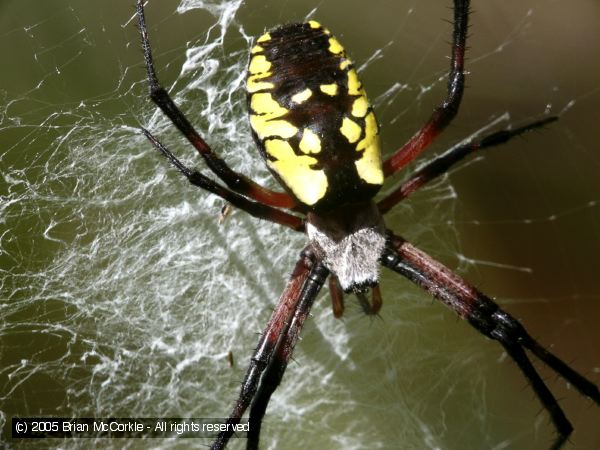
487	317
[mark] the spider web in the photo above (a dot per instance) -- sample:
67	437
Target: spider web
122	294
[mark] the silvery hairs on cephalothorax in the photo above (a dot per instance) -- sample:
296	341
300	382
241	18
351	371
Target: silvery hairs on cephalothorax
354	258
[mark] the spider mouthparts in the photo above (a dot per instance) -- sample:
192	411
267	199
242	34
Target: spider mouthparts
361	288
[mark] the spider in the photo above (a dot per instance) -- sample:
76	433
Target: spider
316	131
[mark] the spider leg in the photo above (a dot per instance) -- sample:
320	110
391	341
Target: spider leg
363	302
370	308
442	163
561	422
446	111
376	300
487	317
255	209
337	299
275	345
337	296
274	372
235	181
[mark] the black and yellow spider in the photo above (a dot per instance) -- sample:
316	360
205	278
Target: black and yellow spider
319	137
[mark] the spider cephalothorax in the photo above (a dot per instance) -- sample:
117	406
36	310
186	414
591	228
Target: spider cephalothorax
315	129
350	240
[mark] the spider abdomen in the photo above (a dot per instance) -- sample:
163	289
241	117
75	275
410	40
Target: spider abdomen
311	119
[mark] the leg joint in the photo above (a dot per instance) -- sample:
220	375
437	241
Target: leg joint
507	329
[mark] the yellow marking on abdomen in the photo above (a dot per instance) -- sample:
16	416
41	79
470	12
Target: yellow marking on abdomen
310	142
308	185
345	63
264	103
259	64
265	127
371	128
314	24
266	109
302	96
360	106
369	165
351	130
334	46
264	38
354	85
254	84
329	89
256	49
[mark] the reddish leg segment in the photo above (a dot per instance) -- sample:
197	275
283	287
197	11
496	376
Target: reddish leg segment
274	372
337	296
444	113
276	343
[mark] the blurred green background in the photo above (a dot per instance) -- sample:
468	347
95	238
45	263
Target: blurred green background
122	295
